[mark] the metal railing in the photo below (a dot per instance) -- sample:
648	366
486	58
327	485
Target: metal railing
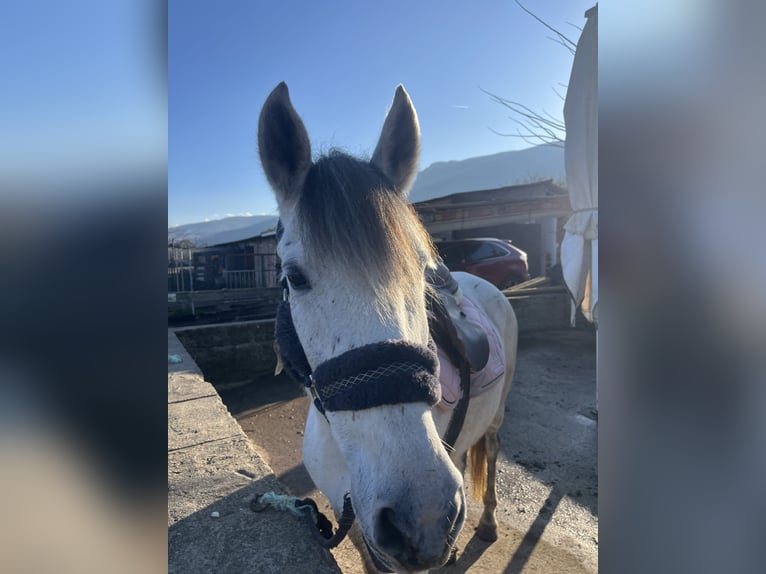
186	276
245	279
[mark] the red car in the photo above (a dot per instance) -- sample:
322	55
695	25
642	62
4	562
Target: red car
495	260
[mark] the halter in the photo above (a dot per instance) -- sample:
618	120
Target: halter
387	373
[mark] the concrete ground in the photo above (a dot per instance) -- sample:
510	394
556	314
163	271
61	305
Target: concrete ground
547	474
212	468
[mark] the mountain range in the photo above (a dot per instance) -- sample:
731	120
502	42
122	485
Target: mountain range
437	180
489	172
222	230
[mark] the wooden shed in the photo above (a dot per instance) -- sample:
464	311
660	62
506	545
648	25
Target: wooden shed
531	215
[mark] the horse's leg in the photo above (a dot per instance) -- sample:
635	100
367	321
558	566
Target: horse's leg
487	529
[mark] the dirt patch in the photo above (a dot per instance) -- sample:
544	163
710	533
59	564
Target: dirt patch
547	473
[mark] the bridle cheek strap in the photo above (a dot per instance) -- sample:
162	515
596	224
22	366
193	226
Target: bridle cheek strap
387	373
291	351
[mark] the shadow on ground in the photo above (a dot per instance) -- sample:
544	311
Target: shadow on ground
240	540
548	446
551	419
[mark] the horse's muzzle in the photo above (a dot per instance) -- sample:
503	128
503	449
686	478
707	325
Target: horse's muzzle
417	542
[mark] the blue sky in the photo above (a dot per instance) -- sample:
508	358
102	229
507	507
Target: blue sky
82	94
342	61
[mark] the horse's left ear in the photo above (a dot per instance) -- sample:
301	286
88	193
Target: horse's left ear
398	149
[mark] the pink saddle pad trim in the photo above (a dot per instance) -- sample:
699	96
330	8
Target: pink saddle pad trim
481	381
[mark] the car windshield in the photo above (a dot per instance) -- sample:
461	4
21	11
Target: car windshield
483	251
451	253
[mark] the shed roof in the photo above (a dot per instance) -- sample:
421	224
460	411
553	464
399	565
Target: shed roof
481	208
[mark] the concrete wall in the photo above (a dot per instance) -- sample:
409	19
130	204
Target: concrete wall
231	353
222	305
213	474
541	311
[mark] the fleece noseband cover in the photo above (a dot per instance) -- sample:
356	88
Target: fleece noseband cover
387	373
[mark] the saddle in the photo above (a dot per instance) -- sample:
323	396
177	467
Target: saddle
470	334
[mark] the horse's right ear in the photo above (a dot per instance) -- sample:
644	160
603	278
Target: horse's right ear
283	145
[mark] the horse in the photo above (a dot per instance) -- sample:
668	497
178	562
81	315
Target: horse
353	259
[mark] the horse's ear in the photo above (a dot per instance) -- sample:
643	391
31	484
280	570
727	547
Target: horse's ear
398	149
283	145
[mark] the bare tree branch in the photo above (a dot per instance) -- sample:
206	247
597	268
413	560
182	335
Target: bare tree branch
531	140
560	35
553	119
537	127
534	128
560	42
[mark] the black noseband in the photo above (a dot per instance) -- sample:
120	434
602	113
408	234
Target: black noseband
388	373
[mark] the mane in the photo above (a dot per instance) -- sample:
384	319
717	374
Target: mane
351	214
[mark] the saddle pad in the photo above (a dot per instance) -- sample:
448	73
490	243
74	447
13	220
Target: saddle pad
481	381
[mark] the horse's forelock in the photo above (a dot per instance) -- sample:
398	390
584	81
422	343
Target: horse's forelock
349	213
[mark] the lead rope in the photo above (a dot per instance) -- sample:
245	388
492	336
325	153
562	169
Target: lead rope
345	523
319	524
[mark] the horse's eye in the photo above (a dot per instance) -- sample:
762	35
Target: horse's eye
298	280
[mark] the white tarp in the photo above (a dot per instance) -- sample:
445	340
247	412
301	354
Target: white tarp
579	249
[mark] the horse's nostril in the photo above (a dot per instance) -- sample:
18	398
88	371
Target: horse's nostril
389	534
418	544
